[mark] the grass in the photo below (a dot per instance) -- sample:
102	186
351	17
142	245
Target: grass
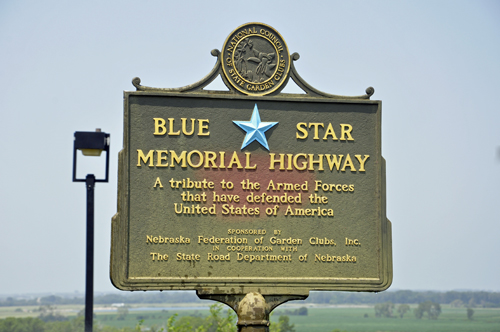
149	317
352	319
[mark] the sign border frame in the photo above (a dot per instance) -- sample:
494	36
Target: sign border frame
266	285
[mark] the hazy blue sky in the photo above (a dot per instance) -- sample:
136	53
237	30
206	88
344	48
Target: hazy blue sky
434	64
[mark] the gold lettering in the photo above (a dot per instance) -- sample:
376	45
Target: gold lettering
334	259
331	132
302	127
319	211
171	128
362	161
316	125
273	161
289	160
158	256
333	162
165	240
345	130
160	158
348	163
158	183
141	156
160	126
222	156
218	258
304	163
247	165
184	130
319	162
235	160
187	257
210	159
200	157
178	159
270	185
202	126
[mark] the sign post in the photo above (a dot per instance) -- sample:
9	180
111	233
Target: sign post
251	195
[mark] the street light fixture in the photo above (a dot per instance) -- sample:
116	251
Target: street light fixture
91	144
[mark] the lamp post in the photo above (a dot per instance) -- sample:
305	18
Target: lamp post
91	144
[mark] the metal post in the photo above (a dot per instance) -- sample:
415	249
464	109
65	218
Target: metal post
253	314
89	275
253	308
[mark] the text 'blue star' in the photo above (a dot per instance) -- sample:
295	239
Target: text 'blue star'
255	129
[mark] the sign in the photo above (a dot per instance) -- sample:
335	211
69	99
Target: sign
251	190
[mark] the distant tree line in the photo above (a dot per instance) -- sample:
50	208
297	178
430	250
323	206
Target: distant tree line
134	298
302	311
429	309
469	299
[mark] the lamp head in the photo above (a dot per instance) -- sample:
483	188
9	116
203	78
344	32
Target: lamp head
91	143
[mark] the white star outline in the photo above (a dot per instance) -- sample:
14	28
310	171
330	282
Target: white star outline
255	129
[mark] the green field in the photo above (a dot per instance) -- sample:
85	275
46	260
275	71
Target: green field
352	319
347	319
318	319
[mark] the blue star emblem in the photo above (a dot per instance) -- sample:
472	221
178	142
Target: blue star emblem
255	129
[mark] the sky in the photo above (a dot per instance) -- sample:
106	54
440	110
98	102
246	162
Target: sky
435	65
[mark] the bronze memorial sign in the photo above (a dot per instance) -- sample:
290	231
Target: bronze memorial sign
251	190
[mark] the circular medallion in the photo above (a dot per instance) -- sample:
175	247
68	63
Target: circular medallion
255	59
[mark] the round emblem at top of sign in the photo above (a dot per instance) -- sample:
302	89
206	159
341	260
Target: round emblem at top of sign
255	59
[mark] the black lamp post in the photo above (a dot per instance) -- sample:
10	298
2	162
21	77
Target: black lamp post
91	144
